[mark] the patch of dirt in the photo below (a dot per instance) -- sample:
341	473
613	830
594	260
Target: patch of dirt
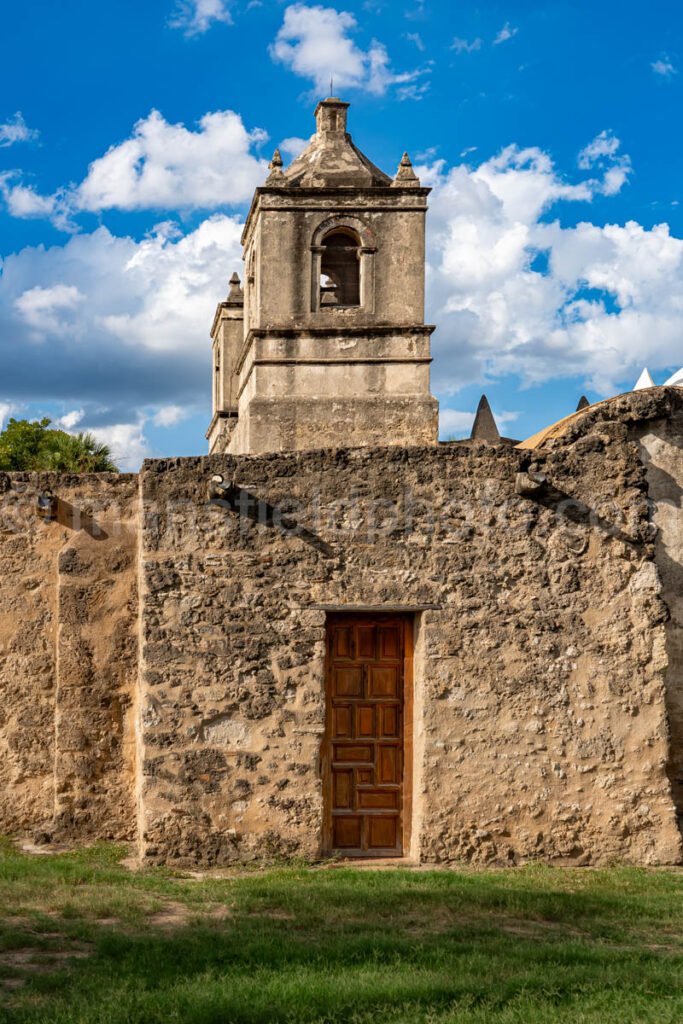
219	913
29	960
172	915
175	915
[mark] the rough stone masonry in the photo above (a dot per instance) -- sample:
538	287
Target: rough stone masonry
163	655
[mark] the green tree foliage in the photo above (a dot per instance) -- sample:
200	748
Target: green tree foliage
32	446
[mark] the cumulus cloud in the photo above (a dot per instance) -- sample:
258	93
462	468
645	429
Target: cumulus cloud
169	166
169	416
127	443
507	32
161	166
116	325
16	130
46	310
663	67
515	292
316	43
70	420
195	17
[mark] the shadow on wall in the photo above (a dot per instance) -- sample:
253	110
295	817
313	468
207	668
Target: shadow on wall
52	509
242	502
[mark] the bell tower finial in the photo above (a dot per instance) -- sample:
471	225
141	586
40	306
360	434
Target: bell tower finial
405	175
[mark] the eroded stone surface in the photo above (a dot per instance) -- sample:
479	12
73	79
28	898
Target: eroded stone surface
548	675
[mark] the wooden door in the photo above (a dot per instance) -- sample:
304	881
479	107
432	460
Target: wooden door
363	751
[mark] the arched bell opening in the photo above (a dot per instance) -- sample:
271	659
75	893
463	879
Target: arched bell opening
340	269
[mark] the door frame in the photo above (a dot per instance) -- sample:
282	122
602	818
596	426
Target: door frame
407	620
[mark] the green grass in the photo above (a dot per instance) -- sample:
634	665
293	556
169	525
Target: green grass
84	941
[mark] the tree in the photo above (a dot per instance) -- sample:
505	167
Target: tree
27	445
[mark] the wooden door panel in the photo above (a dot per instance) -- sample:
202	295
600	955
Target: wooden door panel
342	788
382	832
366	640
388	764
348	682
346	753
384	681
365	721
343	642
379	799
389	721
347	832
364	734
390	642
342	721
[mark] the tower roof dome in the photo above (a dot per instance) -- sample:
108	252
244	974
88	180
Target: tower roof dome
331	159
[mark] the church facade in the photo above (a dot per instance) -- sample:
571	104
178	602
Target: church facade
334	635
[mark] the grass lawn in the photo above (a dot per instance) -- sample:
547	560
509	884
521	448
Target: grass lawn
84	940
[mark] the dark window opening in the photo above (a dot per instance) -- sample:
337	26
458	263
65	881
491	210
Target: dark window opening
340	270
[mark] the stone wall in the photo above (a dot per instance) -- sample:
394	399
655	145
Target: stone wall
68	656
548	720
542	646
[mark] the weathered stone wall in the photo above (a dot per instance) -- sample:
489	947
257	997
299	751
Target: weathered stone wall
68	656
541	661
548	657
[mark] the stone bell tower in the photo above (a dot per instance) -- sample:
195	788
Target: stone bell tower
328	346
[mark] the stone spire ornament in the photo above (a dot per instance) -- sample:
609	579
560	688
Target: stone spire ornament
484	427
405	175
583	404
276	177
235	293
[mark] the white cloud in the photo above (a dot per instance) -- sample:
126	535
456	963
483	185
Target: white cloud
515	293
195	17
121	325
168	166
16	130
663	67
603	145
169	416
7	409
161	166
293	146
465	46
71	419
507	32
454	421
127	443
315	43
46	310
603	153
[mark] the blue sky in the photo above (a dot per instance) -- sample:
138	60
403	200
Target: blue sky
549	131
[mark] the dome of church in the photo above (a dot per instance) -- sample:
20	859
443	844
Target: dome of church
676	378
